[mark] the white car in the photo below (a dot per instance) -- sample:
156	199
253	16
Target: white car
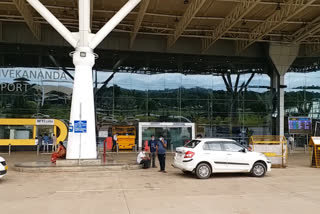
3	167
212	155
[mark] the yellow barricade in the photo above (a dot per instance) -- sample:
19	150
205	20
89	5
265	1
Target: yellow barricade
272	146
314	144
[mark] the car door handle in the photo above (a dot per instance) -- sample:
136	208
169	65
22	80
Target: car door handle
229	154
206	153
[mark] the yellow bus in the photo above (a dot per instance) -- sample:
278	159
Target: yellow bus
23	132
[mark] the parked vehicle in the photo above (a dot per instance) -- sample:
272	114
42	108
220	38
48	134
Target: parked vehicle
3	167
213	155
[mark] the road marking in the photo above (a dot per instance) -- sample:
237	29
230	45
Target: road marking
104	190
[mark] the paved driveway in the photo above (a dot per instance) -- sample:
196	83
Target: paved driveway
292	190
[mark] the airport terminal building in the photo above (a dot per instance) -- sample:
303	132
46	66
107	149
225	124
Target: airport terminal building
227	88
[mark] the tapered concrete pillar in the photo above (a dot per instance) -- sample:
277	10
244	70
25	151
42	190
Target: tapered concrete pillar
82	107
82	135
282	56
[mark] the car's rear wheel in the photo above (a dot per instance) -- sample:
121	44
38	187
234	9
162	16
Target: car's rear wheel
203	171
258	170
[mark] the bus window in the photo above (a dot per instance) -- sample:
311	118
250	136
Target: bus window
16	132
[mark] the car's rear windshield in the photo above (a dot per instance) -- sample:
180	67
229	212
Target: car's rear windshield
192	144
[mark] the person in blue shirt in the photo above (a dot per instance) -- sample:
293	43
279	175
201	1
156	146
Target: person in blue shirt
153	149
45	142
161	150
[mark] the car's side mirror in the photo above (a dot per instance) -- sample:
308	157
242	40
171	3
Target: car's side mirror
243	150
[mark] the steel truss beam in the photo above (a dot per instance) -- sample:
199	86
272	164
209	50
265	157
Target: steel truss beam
54	6
233	18
142	11
188	33
185	20
28	17
287	11
309	30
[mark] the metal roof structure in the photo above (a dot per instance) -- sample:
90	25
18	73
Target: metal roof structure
244	21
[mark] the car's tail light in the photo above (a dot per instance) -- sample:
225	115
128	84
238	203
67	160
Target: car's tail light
189	154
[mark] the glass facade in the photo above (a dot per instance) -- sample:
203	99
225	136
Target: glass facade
222	102
302	97
174	97
235	108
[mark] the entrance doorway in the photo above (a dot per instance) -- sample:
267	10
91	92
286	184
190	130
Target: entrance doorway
176	134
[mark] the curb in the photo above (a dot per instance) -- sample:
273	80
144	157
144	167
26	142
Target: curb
45	169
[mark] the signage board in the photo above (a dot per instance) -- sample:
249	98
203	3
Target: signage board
70	127
80	126
300	125
44	122
316	140
103	133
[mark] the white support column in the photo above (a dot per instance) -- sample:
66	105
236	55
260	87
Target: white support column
282	56
83	145
84	23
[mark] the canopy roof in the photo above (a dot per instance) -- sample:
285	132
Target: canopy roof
246	21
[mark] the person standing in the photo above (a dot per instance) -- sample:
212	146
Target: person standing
152	145
115	142
291	142
54	142
45	142
39	142
161	150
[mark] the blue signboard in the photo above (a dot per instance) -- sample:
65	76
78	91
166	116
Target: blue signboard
70	127
80	126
